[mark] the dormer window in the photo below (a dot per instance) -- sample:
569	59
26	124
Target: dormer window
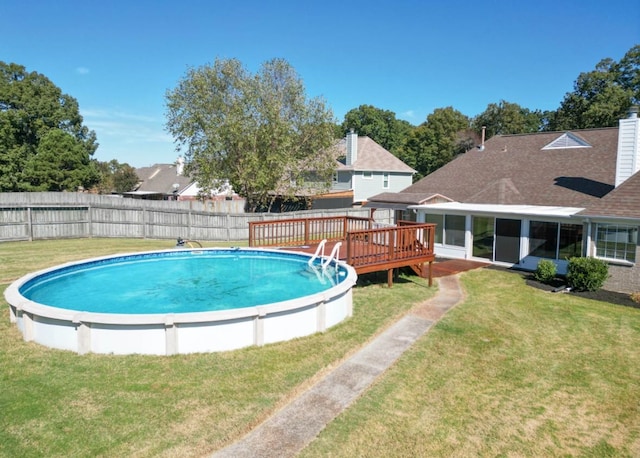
567	140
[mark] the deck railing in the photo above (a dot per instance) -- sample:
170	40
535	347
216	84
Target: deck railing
370	249
305	231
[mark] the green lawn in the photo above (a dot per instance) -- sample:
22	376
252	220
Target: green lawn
512	371
57	403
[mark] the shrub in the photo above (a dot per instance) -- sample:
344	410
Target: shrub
546	271
587	274
635	297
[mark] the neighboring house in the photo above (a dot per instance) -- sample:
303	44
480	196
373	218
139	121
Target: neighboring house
367	169
168	182
363	169
518	199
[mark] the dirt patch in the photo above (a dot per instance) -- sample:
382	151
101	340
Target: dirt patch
427	312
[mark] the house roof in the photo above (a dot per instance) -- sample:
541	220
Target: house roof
519	170
160	178
622	202
409	198
372	157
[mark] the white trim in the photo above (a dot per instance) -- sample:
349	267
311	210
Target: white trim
567	140
492	209
626	227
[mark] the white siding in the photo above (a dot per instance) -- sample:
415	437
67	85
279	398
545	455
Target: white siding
628	162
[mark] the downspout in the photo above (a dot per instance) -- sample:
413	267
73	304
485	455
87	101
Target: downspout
588	250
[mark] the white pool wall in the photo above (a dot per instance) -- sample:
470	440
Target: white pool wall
178	333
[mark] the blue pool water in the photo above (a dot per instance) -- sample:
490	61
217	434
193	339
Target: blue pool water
180	281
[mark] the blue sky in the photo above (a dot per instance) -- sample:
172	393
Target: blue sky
118	58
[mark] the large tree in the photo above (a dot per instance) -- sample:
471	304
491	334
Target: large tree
602	96
116	177
508	118
436	141
380	125
43	144
259	131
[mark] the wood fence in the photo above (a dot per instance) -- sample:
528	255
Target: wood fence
33	216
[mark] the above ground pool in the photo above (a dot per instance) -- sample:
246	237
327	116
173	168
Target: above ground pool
181	301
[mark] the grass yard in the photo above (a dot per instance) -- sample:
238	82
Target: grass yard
513	371
57	403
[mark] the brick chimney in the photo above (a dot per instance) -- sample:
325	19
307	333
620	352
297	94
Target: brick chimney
628	158
352	147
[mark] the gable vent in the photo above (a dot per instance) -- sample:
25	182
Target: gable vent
567	140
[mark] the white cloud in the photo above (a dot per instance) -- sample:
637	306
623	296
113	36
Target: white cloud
82	70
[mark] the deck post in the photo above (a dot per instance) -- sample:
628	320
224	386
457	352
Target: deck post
390	277
306	231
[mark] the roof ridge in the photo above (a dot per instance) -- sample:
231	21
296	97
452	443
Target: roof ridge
555	132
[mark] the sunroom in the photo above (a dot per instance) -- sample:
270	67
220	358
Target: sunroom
510	235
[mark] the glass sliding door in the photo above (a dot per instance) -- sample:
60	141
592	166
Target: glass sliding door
507	247
483	237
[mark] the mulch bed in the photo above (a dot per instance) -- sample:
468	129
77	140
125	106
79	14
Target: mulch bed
559	285
599	295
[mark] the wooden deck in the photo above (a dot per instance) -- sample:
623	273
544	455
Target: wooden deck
363	245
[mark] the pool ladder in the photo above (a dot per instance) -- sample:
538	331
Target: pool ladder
325	261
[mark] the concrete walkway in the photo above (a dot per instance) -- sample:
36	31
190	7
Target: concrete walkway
292	428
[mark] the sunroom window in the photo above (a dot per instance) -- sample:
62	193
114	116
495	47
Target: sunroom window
616	241
437	220
450	229
454	230
555	241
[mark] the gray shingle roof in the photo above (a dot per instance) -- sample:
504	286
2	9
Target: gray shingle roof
622	202
515	169
409	198
160	178
372	157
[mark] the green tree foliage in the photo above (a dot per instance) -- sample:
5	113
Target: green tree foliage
601	97
257	130
43	144
116	177
125	179
508	118
435	142
379	125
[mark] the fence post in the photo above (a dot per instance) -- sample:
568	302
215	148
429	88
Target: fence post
29	224
89	221
144	222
